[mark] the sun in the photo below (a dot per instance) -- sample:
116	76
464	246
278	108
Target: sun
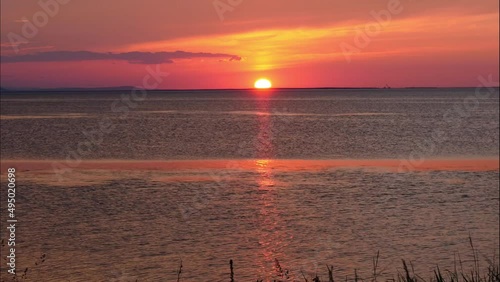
263	83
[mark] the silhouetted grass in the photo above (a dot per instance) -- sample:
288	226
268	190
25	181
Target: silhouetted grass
490	274
458	274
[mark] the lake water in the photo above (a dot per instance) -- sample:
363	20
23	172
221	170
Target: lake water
112	189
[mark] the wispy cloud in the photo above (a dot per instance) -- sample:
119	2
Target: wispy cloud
131	57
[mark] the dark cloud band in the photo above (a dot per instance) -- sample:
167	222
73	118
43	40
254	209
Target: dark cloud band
131	57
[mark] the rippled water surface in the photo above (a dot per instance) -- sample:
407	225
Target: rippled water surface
207	176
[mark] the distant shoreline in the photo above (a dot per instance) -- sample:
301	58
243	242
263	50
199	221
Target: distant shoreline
130	88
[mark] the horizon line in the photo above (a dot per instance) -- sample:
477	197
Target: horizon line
122	88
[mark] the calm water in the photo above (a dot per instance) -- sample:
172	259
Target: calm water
127	222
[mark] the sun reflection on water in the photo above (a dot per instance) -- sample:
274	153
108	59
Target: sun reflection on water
272	233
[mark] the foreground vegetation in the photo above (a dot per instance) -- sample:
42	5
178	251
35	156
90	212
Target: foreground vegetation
491	274
474	273
459	274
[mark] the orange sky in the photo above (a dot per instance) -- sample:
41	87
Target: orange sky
295	43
